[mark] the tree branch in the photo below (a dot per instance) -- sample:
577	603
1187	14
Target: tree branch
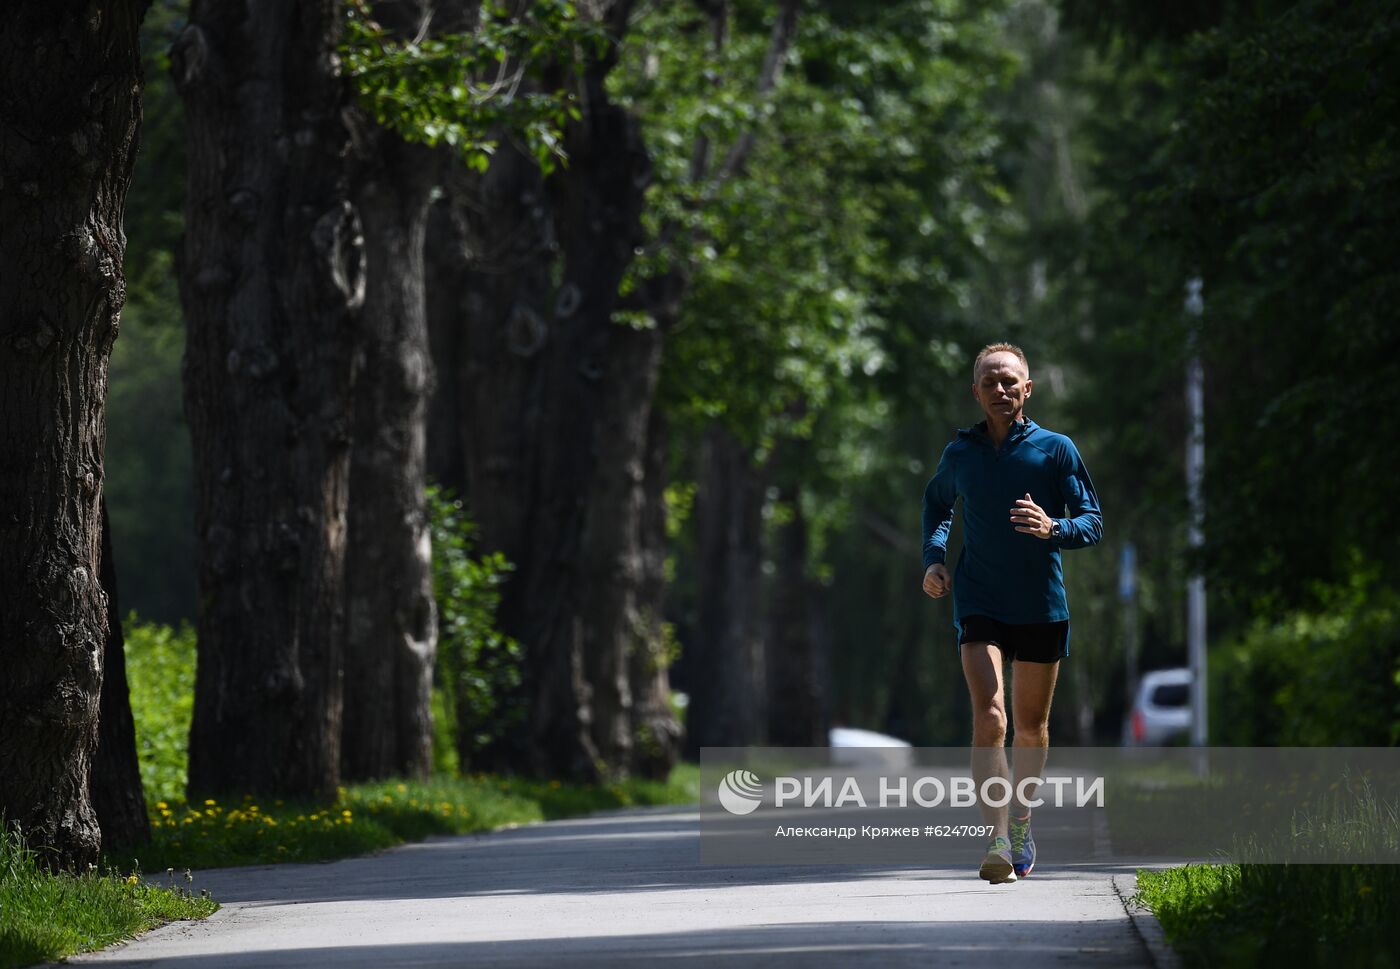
779	42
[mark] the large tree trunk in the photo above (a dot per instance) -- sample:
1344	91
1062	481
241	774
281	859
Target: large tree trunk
613	623
71	73
727	688
391	632
599	381
557	398
117	796
271	279
489	261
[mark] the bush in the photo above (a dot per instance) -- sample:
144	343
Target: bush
478	670
160	663
1325	678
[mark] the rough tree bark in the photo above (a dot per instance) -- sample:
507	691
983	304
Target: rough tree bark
391	620
71	77
727	691
117	795
271	280
488	297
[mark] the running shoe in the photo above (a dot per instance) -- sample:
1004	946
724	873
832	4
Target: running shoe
996	867
1022	847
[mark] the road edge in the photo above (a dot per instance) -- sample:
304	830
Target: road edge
1145	924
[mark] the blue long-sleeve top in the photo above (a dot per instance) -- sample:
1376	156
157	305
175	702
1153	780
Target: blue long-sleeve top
1002	573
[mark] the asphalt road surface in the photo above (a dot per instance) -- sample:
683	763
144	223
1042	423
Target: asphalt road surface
629	889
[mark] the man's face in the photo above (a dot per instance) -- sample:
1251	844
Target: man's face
1002	386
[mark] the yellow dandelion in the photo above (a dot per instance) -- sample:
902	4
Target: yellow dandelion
131	879
346	814
162	805
210	802
402	788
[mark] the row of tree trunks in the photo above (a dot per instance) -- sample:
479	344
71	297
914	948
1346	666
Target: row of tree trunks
71	74
555	424
272	278
760	663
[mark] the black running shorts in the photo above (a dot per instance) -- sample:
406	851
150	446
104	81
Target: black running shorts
1036	642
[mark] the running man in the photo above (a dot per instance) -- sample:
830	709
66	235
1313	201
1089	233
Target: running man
1026	494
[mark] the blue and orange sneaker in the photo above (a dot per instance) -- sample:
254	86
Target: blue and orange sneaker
1022	846
996	867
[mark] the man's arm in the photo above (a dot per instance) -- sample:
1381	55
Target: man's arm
1084	526
939	495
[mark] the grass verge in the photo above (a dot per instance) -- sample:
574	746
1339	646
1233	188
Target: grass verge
46	916
369	817
1299	915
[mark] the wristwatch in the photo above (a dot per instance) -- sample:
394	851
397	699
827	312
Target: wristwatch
1054	528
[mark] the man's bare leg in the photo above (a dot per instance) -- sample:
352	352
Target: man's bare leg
1032	687
982	667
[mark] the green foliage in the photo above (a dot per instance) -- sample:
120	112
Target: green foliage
478	669
46	916
1306	678
463	89
1256	154
1283	192
160	665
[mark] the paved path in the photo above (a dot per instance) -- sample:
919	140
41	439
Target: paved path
628	889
